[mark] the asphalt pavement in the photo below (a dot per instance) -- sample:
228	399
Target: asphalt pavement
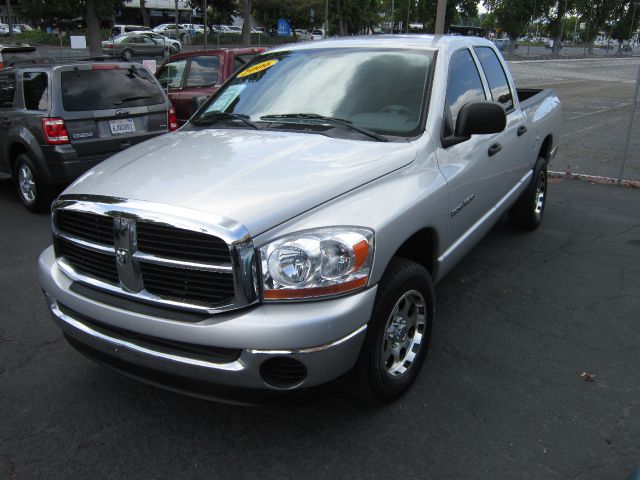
533	374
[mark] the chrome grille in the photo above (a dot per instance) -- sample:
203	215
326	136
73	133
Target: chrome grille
192	285
87	226
181	244
89	262
145	252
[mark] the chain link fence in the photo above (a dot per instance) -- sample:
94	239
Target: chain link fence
598	136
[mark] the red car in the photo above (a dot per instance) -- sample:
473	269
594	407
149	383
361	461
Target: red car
195	74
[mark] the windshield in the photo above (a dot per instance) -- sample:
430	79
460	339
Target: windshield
381	90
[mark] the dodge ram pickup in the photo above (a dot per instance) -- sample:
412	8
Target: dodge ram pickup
290	234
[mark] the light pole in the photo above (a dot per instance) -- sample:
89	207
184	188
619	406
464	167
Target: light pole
633	19
440	14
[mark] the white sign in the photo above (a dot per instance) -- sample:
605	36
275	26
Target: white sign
78	41
150	65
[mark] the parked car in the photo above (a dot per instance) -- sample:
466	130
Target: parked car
231	29
501	43
60	120
120	29
169	30
176	45
549	43
194	27
131	45
317	34
19	53
281	240
303	35
190	75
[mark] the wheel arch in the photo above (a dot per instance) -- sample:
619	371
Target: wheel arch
420	247
547	146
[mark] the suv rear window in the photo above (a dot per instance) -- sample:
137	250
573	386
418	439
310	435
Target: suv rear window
104	89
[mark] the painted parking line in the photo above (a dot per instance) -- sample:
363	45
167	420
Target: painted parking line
602	110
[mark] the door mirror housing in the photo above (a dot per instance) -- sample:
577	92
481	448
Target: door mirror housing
477	118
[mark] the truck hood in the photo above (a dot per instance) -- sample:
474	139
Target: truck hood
259	179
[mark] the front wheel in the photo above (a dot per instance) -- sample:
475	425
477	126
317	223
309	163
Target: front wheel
398	335
527	212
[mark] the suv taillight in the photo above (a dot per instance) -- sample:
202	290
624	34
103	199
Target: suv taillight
55	133
173	120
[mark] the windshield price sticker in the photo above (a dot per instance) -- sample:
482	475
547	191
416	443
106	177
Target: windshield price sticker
258	67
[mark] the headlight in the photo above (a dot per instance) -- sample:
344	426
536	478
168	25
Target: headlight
317	263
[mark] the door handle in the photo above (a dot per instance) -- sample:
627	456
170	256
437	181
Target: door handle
495	148
522	129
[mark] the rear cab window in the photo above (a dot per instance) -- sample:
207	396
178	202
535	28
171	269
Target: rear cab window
35	87
102	89
496	77
203	71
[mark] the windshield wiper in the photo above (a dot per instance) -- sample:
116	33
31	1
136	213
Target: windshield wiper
217	116
131	99
331	120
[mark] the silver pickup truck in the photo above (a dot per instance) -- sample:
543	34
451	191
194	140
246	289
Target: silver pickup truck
290	234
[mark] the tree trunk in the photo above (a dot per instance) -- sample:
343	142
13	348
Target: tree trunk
590	47
512	43
144	12
93	29
246	24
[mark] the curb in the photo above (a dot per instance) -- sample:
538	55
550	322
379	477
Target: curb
596	179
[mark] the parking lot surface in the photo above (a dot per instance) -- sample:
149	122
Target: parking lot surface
503	395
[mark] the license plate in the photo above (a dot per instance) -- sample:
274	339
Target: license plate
122	126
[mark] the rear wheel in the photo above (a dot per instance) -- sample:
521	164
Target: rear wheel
528	210
127	54
398	335
32	193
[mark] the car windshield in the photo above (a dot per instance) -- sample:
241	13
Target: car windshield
380	90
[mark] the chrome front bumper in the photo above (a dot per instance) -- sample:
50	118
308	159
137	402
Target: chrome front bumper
325	336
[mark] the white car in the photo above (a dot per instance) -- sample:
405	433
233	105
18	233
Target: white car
231	29
303	35
317	34
171	42
199	28
120	29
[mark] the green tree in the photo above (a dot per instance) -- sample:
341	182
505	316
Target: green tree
94	11
511	16
597	15
456	10
218	11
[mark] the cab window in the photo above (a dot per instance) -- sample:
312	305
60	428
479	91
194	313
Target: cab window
203	71
497	79
464	86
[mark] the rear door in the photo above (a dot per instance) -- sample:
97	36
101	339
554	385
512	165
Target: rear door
515	141
107	108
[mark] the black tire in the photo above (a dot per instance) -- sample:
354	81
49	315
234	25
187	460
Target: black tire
31	191
527	212
127	54
376	378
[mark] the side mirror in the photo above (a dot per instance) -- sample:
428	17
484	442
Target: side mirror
196	103
477	118
480	118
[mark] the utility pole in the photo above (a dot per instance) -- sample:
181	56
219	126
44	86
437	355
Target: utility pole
393	15
633	19
556	48
8	2
326	19
408	14
206	29
440	17
177	29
